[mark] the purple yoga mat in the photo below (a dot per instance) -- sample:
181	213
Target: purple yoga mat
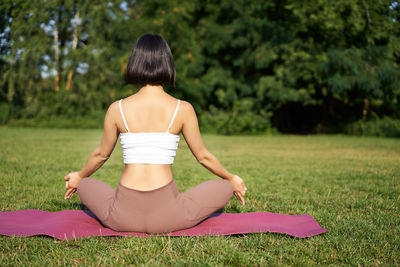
71	224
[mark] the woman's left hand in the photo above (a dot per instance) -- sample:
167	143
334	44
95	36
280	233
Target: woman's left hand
71	183
239	189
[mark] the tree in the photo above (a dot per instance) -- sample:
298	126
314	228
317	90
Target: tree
306	66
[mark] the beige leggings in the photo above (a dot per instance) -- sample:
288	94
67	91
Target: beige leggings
156	211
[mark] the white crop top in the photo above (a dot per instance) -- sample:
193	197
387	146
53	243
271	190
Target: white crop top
149	148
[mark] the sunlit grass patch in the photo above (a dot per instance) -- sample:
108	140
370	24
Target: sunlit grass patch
349	185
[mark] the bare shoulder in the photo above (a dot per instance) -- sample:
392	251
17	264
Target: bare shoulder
186	108
114	106
189	118
113	110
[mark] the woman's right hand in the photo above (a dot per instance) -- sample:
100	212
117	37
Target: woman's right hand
239	189
71	183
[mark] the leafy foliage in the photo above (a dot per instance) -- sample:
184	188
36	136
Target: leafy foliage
299	66
240	120
386	127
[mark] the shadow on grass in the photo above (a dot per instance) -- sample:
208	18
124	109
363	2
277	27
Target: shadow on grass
63	205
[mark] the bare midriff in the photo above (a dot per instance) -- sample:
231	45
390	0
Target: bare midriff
146	177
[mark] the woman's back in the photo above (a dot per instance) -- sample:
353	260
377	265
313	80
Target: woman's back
149	114
149	110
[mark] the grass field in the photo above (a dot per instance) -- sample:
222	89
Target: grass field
350	185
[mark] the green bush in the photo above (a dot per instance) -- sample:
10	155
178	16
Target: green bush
94	120
241	120
386	127
5	112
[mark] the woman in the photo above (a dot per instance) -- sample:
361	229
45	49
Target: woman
149	124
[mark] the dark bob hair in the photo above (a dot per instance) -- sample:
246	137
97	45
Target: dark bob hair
150	62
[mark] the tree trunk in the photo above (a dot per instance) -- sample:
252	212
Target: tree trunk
57	78
365	109
74	46
368	16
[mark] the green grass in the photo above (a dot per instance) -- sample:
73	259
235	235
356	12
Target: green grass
350	185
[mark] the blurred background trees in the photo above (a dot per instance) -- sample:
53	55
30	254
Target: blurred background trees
247	66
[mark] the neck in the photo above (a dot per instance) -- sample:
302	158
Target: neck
148	88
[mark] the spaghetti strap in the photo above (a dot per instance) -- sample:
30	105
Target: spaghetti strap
122	114
173	117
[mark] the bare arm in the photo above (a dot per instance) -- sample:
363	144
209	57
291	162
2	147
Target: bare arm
102	153
193	138
98	157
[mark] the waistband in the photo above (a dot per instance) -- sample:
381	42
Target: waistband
171	183
146	200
